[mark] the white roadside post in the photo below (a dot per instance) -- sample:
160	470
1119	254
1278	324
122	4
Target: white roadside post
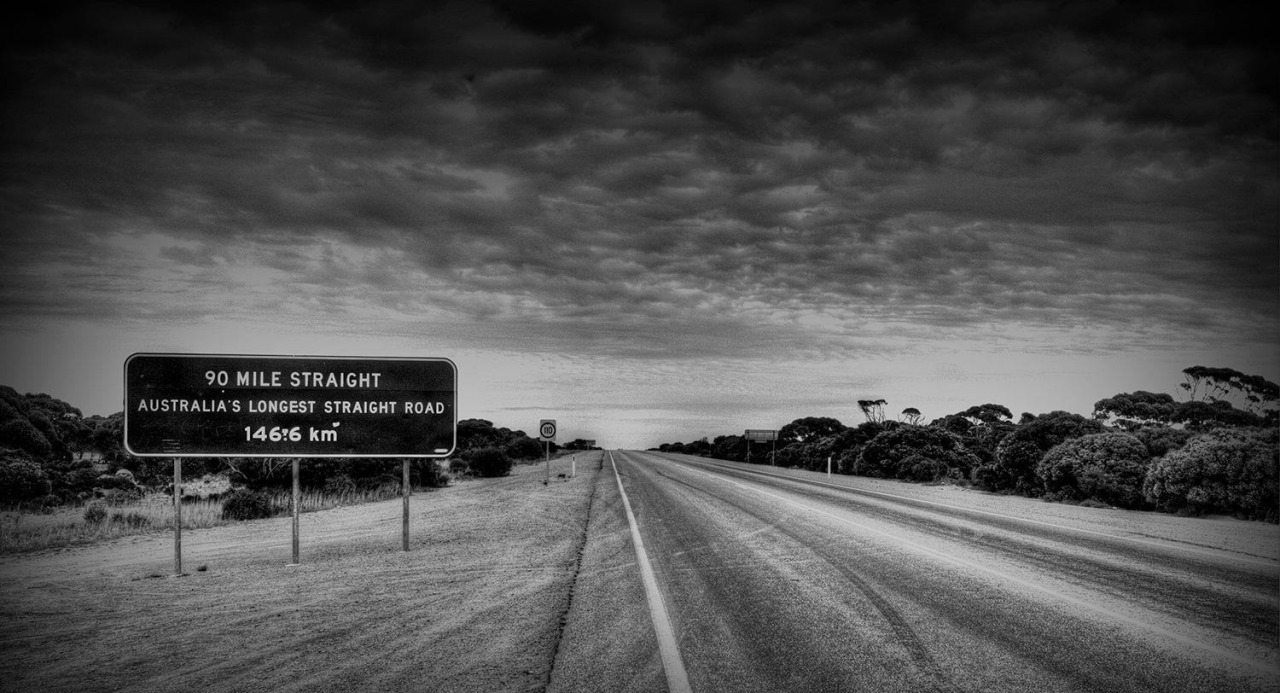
828	466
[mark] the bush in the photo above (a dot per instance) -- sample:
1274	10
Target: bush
427	474
1230	471
95	513
247	505
1018	453
1161	440
524	448
490	462
22	480
1107	467
916	453
134	520
339	485
72	481
21	434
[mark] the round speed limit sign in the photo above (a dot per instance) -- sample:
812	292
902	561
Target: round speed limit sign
547	429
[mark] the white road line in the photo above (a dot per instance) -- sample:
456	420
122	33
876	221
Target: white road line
1180	638
1205	551
677	680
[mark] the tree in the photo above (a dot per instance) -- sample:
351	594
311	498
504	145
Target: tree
1132	410
846	447
981	427
729	447
1218	384
1160	440
1107	467
489	462
21	479
475	434
987	414
808	429
698	447
1014	467
21	434
916	453
911	416
1203	416
872	409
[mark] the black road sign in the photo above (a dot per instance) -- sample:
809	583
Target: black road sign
208	405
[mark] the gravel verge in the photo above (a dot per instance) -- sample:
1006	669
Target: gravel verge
478	603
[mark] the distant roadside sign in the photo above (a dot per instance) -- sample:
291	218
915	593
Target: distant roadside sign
547	429
215	405
760	435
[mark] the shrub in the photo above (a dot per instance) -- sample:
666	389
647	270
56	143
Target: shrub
73	481
428	474
22	480
916	453
1230	471
1161	440
339	485
1018	453
247	505
524	448
21	434
133	520
1107	467
115	481
95	513
490	462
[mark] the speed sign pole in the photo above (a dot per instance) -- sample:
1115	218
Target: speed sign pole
547	432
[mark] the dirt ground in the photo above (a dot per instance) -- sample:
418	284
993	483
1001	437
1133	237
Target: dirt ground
476	604
503	589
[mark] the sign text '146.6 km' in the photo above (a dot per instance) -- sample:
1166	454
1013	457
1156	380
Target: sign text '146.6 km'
188	405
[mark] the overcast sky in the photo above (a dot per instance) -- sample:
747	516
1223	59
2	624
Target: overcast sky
652	221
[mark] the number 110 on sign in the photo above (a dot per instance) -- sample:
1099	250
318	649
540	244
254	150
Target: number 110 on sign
277	434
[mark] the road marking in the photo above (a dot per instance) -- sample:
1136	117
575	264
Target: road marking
1166	544
1180	638
677	679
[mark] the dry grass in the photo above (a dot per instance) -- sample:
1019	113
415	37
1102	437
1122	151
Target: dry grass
26	531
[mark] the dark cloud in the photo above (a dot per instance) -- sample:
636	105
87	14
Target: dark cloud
656	177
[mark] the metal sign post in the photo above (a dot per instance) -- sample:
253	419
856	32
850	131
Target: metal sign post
547	433
405	490
295	504
761	435
177	517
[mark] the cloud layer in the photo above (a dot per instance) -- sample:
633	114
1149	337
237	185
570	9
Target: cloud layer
648	179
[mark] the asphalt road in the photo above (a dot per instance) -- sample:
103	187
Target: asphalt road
776	583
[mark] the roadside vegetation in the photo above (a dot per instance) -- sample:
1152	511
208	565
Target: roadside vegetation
66	478
1215	450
